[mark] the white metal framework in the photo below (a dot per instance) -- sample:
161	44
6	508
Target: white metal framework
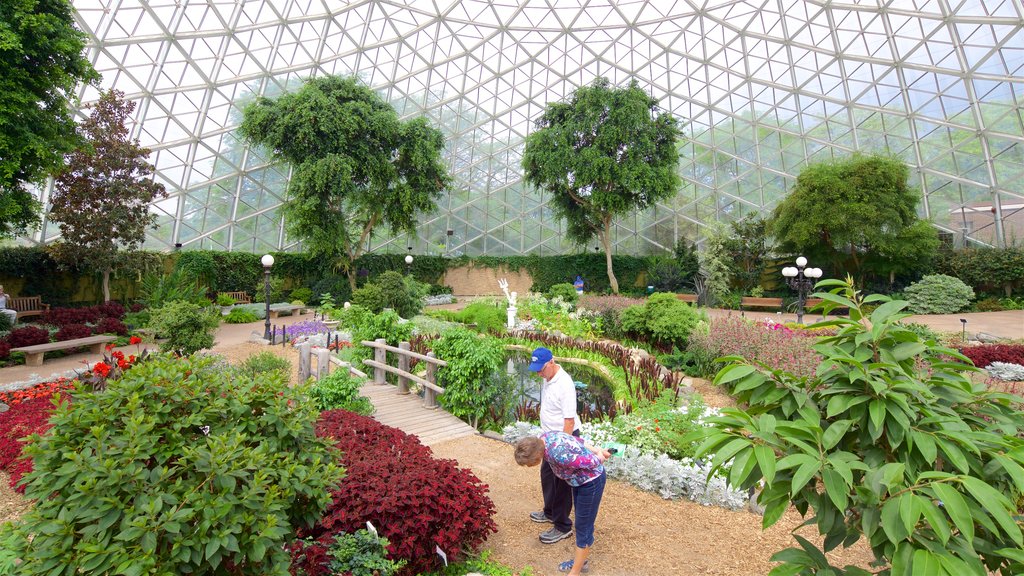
762	87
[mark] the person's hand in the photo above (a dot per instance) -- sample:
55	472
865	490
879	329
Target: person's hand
603	454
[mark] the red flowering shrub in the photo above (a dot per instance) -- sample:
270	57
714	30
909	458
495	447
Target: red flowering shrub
64	316
394	482
110	326
28	336
111	310
985	354
30	417
72	331
5	349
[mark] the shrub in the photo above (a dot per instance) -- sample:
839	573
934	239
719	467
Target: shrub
352	317
889	441
6	323
385	325
5	349
72	331
565	291
990	304
31	417
111	325
259	294
487	316
663	319
362	554
424	502
985	354
609	308
938	294
665	275
369	297
225	300
241	316
263	363
28	336
304	294
137	319
472	361
259	310
159	289
64	316
340	391
439	289
111	309
187	327
194	471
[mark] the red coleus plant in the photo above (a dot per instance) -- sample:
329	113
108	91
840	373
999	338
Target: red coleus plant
985	354
393	481
31	416
41	390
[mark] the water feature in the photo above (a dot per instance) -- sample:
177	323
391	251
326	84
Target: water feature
594	397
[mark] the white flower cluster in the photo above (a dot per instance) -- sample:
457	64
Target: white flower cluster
34	379
438	299
515	432
320	340
1005	371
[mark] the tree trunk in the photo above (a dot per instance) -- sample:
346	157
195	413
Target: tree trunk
351	273
106	285
606	241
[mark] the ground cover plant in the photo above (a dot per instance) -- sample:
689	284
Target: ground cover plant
194	470
424	502
984	354
924	464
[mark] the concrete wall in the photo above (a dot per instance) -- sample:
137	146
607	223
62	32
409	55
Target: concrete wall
480	281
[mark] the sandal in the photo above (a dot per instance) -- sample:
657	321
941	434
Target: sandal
567	566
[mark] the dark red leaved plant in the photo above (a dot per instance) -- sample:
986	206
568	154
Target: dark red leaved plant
985	354
29	417
64	316
111	326
72	331
391	480
28	336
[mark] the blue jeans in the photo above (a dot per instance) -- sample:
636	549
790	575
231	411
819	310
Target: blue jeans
587	499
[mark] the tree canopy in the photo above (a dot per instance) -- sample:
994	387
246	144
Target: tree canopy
858	214
41	62
356	165
604	153
101	198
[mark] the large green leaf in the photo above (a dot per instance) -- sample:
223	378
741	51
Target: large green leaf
766	460
996	504
803	475
957	508
834	433
836	488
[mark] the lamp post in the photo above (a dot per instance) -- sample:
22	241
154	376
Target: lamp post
801	279
267	262
408	262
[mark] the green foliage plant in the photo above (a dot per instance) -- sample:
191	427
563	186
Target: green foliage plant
387	325
983	268
191	469
748	246
339	390
362	554
355	165
890	441
111	171
42	62
370	297
663	320
482	564
401	294
938	294
158	289
225	300
304	294
187	327
625	161
716	264
263	363
472	361
565	291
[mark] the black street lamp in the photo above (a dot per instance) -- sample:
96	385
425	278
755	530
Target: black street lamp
267	260
802	280
408	262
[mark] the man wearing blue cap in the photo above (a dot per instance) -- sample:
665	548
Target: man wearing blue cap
557	414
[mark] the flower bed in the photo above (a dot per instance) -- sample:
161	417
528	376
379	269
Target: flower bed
764	342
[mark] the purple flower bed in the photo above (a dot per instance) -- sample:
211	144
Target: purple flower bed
773	345
305	328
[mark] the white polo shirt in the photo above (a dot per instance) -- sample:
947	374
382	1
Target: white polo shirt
558	402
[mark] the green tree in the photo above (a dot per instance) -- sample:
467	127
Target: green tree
604	153
355	164
748	248
41	62
847	210
715	264
102	196
889	441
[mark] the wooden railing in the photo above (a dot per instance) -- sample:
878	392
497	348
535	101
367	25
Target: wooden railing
381	367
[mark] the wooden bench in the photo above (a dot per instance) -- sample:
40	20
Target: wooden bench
34	354
275	311
751	302
239	297
27	305
691	298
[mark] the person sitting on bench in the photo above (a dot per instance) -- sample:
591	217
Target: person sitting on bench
4	298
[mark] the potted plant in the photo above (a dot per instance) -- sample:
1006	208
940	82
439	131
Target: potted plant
226	303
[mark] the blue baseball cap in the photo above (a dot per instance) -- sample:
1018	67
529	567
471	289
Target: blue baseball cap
539	358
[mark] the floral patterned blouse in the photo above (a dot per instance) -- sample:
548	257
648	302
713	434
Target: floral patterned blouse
570	459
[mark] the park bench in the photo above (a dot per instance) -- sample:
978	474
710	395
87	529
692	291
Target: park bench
239	297
275	311
27	305
34	354
752	302
691	298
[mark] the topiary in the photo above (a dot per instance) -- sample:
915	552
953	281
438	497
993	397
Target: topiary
187	327
241	316
938	294
28	336
890	441
192	470
565	291
339	391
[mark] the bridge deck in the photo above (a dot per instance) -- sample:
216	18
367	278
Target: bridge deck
406	412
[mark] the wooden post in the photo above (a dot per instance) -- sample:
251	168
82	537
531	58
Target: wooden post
379	355
429	396
403	365
305	361
323	362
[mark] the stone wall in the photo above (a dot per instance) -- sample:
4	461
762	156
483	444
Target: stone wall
481	281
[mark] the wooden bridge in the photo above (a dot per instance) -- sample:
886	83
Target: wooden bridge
397	407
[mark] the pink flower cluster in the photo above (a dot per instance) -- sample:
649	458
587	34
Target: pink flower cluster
768	343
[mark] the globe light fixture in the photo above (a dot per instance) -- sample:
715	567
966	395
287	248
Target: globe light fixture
267	260
801	279
408	261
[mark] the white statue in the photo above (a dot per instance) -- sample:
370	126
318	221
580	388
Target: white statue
511	297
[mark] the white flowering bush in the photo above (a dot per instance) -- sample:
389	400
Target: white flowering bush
1005	371
438	299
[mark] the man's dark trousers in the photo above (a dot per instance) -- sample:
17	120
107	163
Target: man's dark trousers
557	497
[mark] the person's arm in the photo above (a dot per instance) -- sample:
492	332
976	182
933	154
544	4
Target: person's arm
568	425
601	453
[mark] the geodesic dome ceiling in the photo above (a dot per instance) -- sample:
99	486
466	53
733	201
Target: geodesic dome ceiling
761	88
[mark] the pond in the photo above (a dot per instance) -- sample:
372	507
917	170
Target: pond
594	397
